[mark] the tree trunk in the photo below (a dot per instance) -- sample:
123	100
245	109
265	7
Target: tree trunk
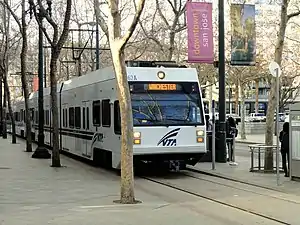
4	122
237	96
243	133
1	108
172	44
54	106
256	95
127	179
24	80
13	124
271	103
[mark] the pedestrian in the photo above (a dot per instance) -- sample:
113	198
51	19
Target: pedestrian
285	148
231	133
208	123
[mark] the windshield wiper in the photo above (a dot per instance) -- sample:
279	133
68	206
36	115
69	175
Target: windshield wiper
183	120
151	120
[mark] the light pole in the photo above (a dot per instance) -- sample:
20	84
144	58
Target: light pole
41	151
222	97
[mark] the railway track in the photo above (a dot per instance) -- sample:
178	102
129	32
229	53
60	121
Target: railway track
179	185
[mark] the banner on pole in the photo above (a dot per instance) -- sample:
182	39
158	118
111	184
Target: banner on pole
243	35
200	33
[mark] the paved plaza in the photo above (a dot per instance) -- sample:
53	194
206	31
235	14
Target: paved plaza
33	193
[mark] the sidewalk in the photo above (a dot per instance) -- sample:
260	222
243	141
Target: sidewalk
33	193
241	173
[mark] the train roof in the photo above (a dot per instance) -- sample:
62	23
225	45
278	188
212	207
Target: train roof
133	74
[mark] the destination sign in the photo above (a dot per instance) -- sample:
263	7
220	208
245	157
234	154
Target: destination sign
162	87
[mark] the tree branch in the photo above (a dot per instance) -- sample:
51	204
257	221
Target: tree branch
99	18
5	4
128	34
64	34
291	15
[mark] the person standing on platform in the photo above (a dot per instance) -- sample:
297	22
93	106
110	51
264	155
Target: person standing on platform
285	148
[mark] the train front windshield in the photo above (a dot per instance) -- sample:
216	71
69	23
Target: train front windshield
166	104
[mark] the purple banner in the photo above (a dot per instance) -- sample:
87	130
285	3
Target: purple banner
200	33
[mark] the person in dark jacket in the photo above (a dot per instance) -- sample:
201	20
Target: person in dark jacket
230	134
285	148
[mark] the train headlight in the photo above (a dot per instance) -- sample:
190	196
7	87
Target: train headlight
161	75
199	133
137	138
200	139
137	135
137	141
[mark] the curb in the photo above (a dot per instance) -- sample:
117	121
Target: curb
218	175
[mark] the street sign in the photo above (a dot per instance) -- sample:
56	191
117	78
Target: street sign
273	66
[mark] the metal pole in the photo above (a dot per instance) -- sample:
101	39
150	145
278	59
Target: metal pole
45	69
277	126
213	141
97	48
41	151
222	97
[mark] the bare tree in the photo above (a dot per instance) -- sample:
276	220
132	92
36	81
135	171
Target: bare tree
4	62
173	27
284	19
117	45
23	30
56	43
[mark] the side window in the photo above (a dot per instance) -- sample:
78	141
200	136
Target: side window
83	118
77	118
106	114
36	117
117	118
47	117
87	118
71	117
96	113
64	118
32	114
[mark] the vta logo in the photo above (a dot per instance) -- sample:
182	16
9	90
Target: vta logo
170	138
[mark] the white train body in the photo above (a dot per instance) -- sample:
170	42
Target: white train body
168	116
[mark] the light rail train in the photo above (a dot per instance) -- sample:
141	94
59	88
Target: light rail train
168	115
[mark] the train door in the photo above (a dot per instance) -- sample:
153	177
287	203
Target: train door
86	127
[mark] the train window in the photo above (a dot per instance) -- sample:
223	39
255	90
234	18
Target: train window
87	118
83	118
106	114
21	115
64	118
96	113
32	114
36	117
77	118
47	117
71	117
117	118
66	115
